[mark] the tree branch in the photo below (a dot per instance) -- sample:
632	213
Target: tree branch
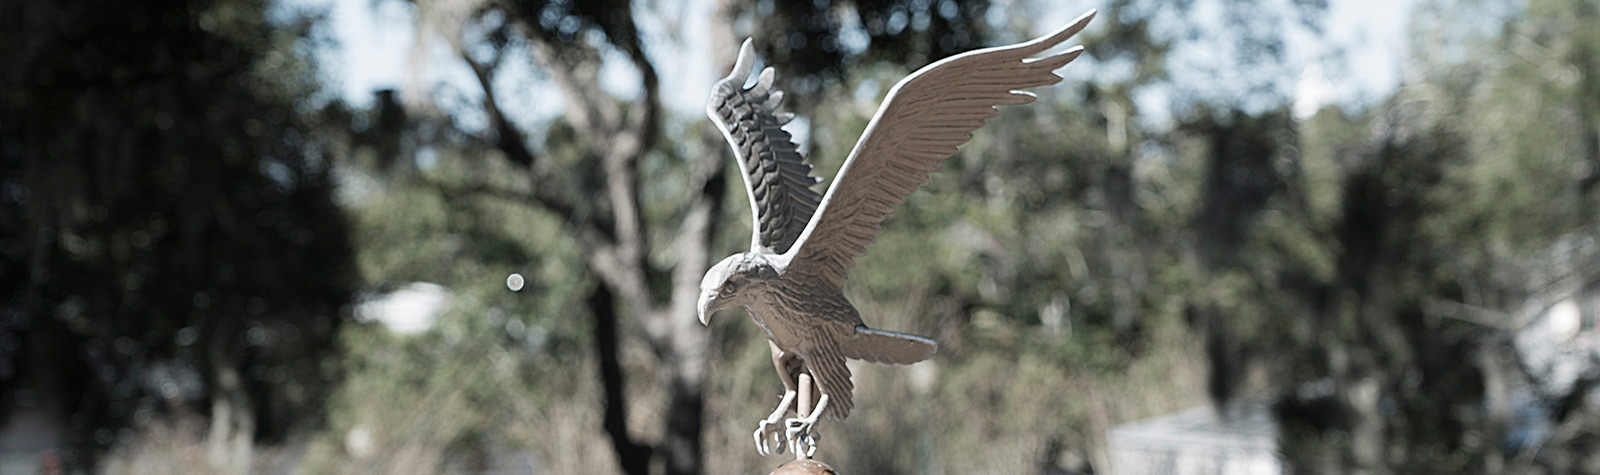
622	264
619	138
575	68
507	137
630	143
643	119
586	229
700	226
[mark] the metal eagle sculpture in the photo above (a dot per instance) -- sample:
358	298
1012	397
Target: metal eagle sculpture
803	245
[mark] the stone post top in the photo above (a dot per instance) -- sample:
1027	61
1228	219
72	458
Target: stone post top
804	467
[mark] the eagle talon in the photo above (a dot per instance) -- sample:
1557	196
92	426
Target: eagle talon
799	429
768	439
805	444
767	432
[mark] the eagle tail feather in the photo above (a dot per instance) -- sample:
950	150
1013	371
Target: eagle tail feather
884	346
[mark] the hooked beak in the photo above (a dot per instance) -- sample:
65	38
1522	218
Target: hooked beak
705	301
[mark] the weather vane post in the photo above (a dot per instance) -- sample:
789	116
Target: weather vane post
803	244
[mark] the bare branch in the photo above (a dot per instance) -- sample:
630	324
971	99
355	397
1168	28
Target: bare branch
622	264
643	119
618	136
623	275
576	70
699	231
507	137
586	229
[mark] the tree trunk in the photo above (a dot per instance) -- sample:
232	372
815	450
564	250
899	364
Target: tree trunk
231	440
634	458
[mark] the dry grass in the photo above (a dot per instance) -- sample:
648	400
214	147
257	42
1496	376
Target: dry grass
988	409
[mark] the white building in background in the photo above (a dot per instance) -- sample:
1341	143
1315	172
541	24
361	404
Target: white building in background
1199	441
408	311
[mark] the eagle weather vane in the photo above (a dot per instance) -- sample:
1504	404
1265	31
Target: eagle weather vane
803	245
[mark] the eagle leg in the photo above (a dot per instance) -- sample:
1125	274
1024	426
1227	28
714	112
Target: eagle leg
799	429
767	432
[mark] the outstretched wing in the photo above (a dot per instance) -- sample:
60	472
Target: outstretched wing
776	177
923	119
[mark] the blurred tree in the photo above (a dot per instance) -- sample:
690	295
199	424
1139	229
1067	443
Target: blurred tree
1305	251
1309	252
167	212
1410	245
588	173
597	193
165	209
817	42
1074	246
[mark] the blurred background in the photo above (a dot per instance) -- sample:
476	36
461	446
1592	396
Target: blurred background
1243	236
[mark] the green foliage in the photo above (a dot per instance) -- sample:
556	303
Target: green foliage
484	375
168	214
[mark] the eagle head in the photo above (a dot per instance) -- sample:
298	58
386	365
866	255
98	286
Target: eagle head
731	281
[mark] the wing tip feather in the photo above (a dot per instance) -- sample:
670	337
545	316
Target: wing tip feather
745	62
1056	37
838	255
1056	61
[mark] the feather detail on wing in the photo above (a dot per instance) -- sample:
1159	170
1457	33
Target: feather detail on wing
776	178
827	365
922	120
